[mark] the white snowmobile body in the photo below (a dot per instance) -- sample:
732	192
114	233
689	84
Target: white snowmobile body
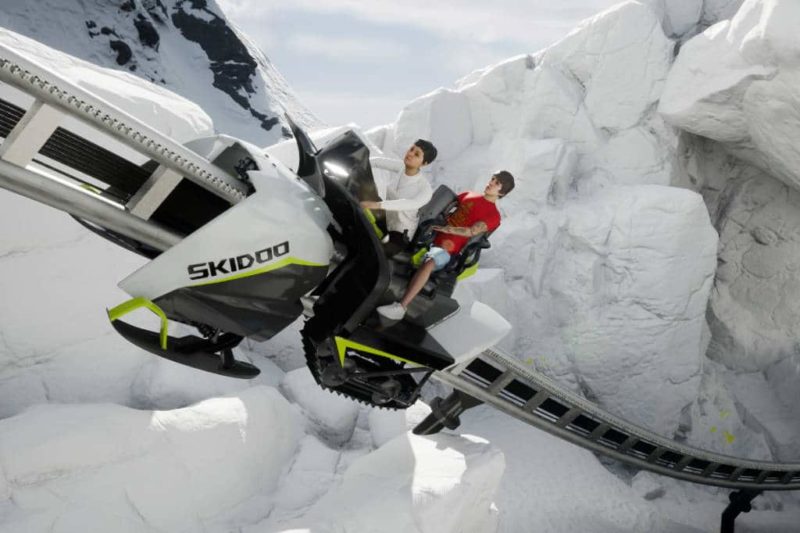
246	270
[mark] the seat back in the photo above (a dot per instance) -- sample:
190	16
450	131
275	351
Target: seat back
434	213
469	255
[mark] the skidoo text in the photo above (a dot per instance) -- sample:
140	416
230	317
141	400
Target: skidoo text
230	265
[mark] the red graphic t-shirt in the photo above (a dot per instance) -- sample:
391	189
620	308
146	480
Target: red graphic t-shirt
472	208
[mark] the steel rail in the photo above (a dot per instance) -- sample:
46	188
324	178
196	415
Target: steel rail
84	204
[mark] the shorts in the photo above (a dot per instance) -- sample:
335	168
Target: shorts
439	256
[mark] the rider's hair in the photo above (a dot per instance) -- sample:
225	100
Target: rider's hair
428	150
506	181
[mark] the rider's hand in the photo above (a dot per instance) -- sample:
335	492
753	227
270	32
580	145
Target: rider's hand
366	204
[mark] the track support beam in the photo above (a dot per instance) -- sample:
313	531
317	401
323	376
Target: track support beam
30	133
740	502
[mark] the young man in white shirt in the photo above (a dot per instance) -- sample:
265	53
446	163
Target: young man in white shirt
404	190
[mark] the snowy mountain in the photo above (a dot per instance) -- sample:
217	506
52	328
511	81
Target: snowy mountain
646	260
187	46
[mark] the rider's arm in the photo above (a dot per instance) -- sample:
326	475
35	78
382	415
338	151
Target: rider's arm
386	163
471	231
421	196
383	168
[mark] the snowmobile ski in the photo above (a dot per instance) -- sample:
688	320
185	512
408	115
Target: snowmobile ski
212	355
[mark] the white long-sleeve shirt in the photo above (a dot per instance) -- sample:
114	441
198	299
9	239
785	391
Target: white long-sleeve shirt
402	195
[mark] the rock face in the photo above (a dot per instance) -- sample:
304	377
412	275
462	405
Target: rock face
231	62
185	45
621	286
735	85
755	309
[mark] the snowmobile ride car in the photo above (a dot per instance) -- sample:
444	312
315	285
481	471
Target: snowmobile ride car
240	245
300	239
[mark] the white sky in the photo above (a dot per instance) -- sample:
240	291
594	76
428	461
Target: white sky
361	61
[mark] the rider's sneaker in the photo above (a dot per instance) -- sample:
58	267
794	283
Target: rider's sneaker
394	311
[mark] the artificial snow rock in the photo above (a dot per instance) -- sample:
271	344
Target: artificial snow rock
625	287
437	484
384	425
110	468
737	83
755	305
333	416
621	57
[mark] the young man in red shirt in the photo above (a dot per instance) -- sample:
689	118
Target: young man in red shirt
475	214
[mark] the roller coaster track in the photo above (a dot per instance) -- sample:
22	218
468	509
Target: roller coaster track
492	377
507	385
48	88
46	155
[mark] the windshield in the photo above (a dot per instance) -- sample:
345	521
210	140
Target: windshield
346	161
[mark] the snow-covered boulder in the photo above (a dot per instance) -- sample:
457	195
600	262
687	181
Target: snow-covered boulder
384	424
623	72
737	83
596	89
719	422
310	475
782	378
442	484
167	385
679	18
333	417
717	10
56	343
110	468
762	409
755	306
554	488
621	286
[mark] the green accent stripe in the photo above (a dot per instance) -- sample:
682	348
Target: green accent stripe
416	259
137	303
268	268
468	272
91	188
372	220
343	344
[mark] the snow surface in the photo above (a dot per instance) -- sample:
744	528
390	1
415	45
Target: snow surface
606	263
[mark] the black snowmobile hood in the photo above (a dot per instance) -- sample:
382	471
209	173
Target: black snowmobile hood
345	160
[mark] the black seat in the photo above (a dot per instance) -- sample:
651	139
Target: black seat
443	202
469	255
444	280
